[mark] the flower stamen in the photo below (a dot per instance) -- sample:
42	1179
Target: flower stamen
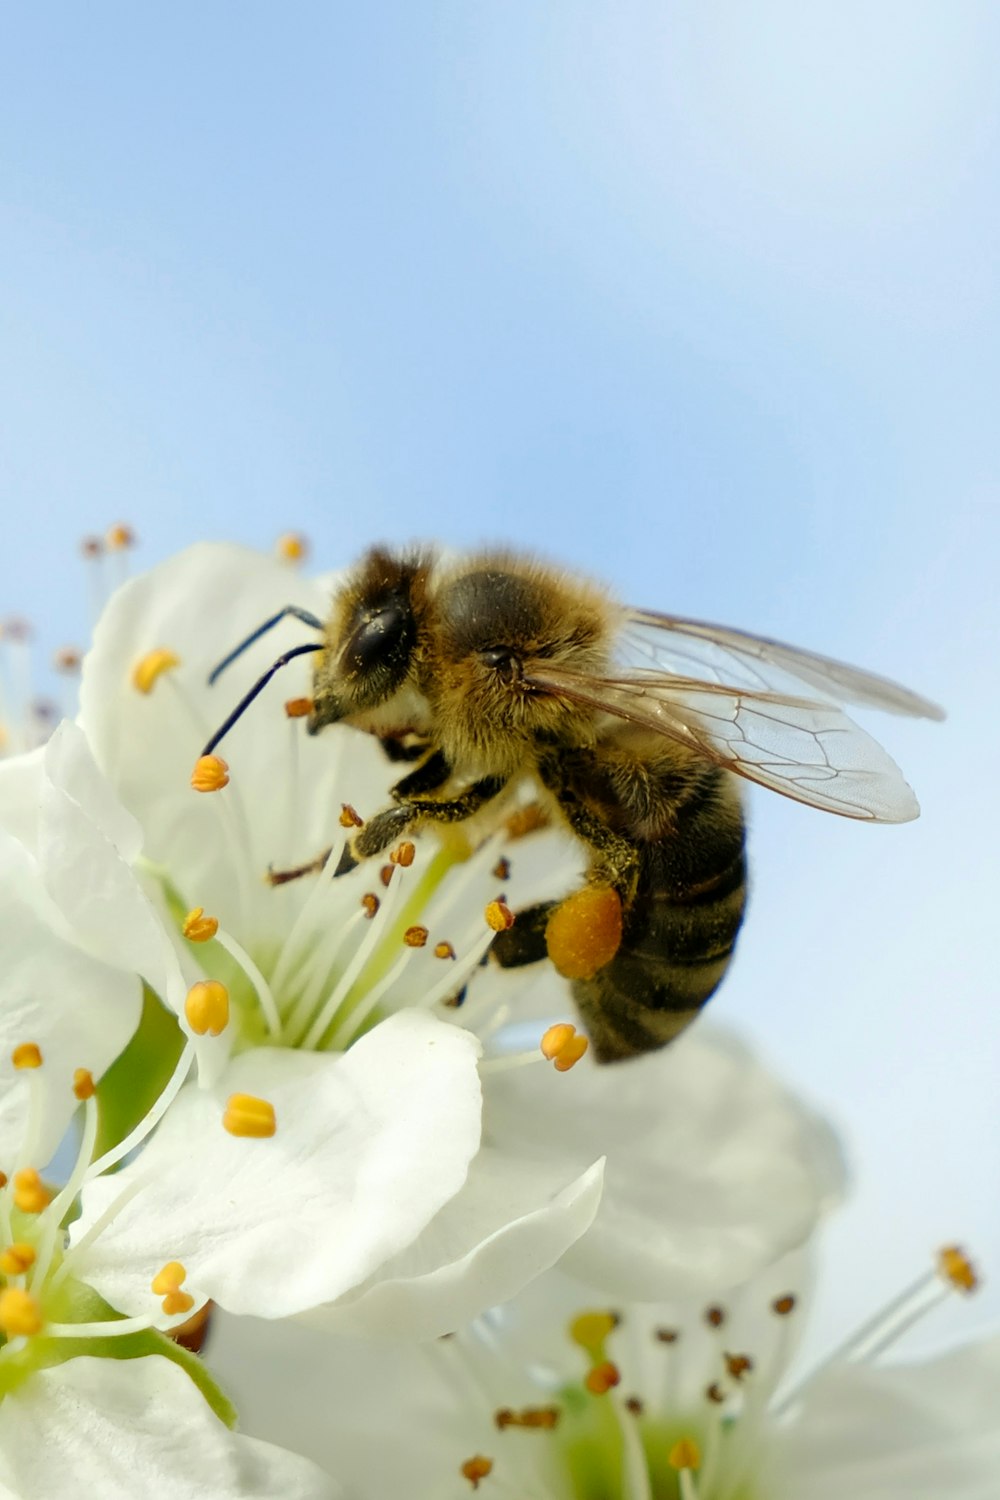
210	774
246	1115
150	668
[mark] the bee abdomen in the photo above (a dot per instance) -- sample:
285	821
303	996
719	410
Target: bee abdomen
675	950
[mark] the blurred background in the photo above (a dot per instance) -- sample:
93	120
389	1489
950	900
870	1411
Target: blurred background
701	297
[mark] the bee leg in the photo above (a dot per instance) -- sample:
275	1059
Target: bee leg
403	747
616	860
379	832
431	774
524	943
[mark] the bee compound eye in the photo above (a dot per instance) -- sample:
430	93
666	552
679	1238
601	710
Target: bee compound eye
379	638
502	660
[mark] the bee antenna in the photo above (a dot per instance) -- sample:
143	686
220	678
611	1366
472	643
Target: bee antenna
305	615
258	687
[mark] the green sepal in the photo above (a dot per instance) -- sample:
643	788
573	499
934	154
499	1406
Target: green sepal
81	1304
138	1075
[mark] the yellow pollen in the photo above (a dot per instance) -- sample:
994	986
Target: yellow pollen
206	1008
350	817
783	1305
685	1454
20	1313
403	855
590	1329
27	1055
198	928
585	931
299	708
501	870
67	659
443	950
248	1116
371	904
602	1378
149	668
955	1266
31	1195
475	1469
17	1259
292	547
210	774
499	915
177	1302
83	1083
168	1279
120	537
415	937
563	1046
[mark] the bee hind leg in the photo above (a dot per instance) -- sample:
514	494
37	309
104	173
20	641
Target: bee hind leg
524	943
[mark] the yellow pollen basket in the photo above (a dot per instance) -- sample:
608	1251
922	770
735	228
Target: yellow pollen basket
198	928
17	1259
206	1008
150	668
585	932
31	1195
246	1115
210	774
20	1313
27	1055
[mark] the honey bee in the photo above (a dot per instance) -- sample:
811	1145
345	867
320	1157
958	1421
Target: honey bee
493	671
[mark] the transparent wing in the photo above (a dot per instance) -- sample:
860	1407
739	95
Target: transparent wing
807	750
733	659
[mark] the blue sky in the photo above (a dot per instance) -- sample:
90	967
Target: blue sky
701	297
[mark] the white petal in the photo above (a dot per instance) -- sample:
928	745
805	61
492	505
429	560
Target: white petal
79	1012
713	1168
117	1429
509	1223
914	1432
370	1145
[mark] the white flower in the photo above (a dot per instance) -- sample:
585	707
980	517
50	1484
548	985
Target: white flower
550	1399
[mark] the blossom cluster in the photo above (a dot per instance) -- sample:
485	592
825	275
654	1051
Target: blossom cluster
253	1090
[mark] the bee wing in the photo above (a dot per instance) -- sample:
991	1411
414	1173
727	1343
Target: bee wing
731	658
807	750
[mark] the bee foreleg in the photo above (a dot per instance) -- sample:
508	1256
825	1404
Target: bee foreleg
431	774
379	832
524	943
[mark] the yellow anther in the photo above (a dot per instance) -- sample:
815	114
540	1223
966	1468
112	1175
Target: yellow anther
371	904
83	1083
27	1055
31	1195
585	931
20	1313
544	1417
415	937
501	870
177	1302
475	1469
715	1316
168	1279
292	547
120	537
602	1378
685	1454
350	817
298	708
210	774
738	1365
590	1329
198	928
17	1259
385	874
403	855
3	1179
784	1305
563	1045
249	1116
955	1266
715	1394
443	950
91	546
666	1335
499	915
206	1008
151	667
